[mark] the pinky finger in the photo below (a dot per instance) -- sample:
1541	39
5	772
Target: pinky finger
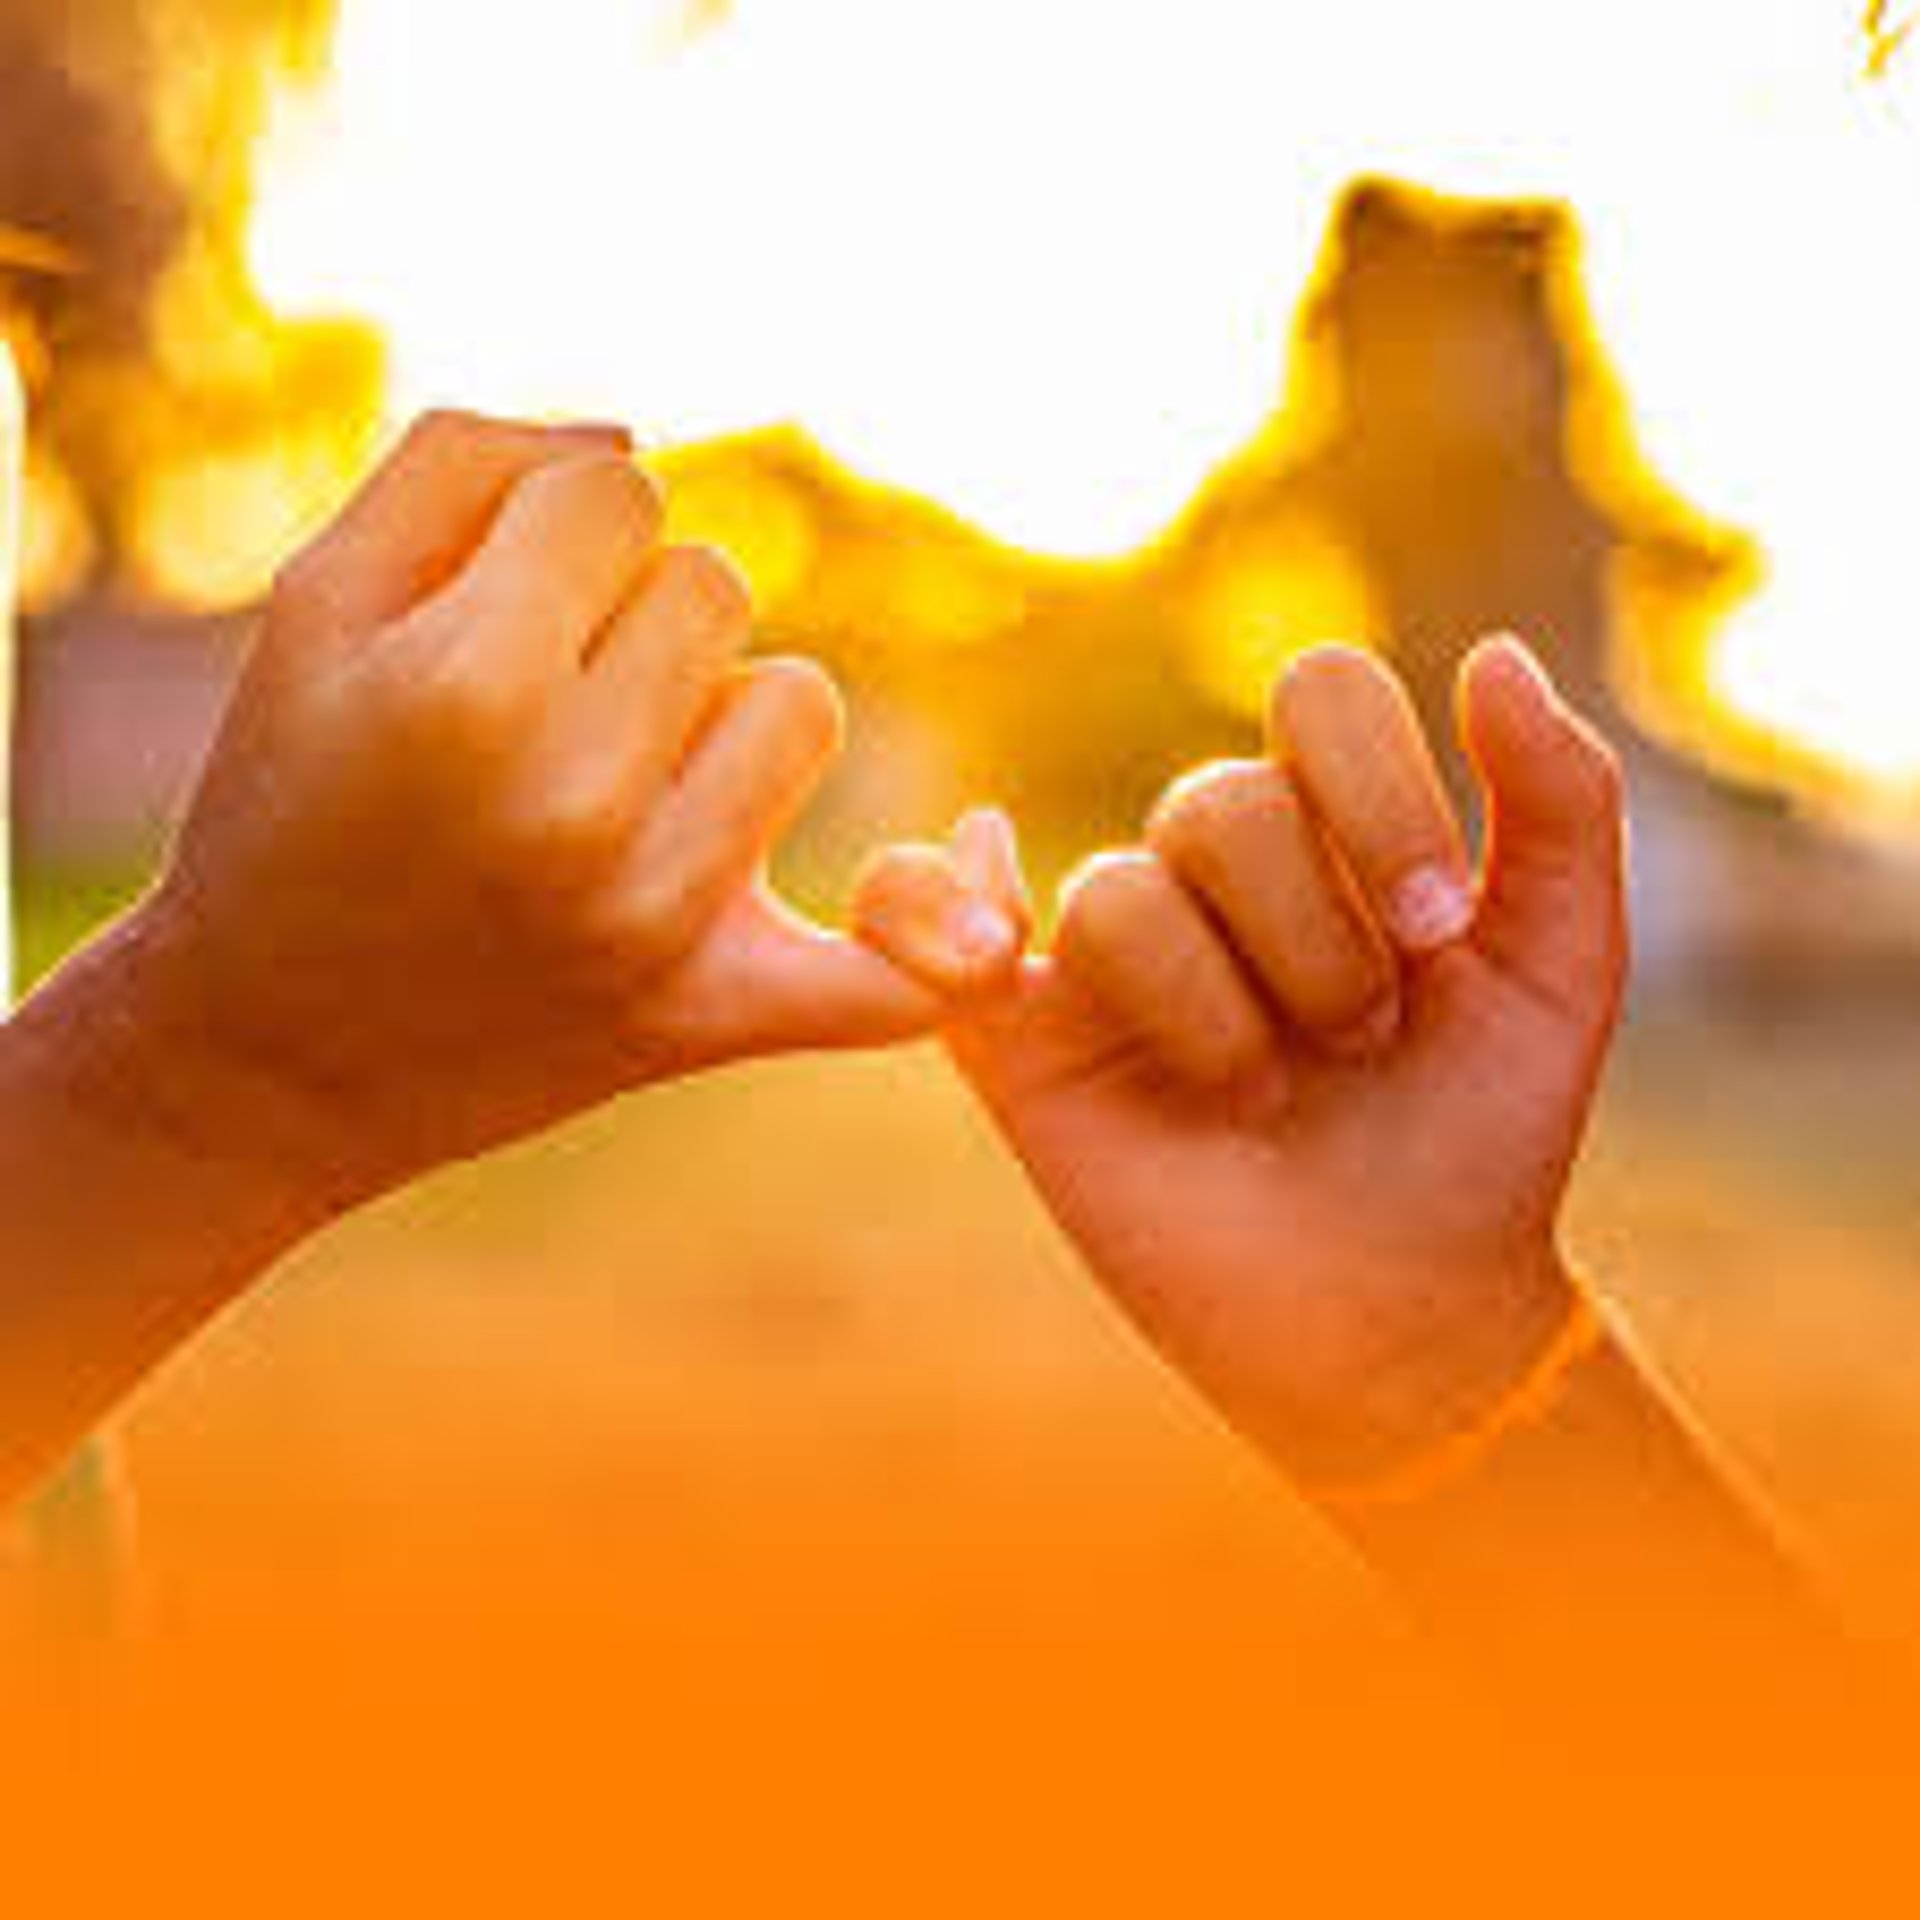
944	928
986	856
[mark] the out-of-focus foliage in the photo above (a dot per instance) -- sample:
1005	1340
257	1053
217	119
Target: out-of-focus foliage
1449	457
1448	452
166	397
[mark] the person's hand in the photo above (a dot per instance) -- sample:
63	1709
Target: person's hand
482	840
1305	1090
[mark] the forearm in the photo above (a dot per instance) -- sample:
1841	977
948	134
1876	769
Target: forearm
1599	1560
130	1211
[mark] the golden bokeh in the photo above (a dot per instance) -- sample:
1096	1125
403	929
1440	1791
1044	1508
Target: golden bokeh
1023	283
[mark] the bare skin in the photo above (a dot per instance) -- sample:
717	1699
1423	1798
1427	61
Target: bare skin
481	844
1306	1089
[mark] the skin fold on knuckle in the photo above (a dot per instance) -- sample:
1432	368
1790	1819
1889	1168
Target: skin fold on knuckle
563	833
600	500
1328	694
1211	1030
1203	822
570	542
447	436
644	925
460	714
1109	904
446	439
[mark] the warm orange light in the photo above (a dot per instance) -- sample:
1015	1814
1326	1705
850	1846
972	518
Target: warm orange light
1254	612
13	460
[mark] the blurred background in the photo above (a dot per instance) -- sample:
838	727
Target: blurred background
1056	371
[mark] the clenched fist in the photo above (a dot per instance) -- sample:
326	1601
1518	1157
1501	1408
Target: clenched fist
482	840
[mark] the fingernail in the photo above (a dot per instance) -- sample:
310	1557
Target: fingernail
980	936
980	839
1430	908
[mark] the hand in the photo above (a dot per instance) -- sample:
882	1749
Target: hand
1305	1091
481	841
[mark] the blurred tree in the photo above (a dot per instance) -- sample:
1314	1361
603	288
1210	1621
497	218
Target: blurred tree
1453	426
128	131
1450	456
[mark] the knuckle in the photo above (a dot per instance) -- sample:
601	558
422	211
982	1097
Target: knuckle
602	489
1214	807
1325	680
1111	900
447	432
656	919
451	703
803	694
631	498
449	436
570	833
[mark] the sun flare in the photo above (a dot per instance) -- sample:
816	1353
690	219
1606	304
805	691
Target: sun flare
1038	262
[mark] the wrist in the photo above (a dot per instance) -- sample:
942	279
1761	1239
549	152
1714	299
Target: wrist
1456	1454
1425	1378
115	1043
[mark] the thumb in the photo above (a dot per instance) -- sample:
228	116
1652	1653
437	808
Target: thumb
767	981
813	988
1553	914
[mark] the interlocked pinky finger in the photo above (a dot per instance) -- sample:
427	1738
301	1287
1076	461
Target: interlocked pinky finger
914	906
